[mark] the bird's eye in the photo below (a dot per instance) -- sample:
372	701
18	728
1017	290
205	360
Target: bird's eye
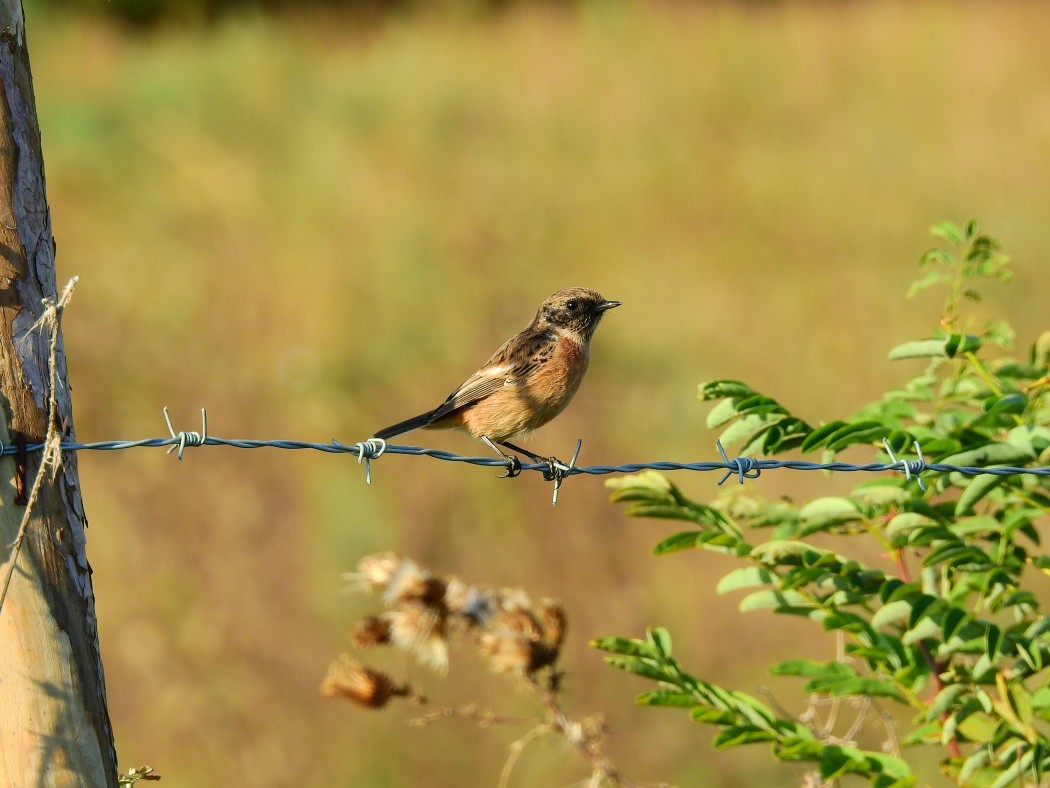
572	305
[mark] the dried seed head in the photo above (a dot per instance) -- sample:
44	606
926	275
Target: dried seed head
421	630
472	604
348	678
512	600
371	631
506	654
552	616
411	583
516	623
375	571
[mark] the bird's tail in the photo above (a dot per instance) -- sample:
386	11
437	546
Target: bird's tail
422	420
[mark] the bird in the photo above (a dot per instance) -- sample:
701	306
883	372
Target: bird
526	383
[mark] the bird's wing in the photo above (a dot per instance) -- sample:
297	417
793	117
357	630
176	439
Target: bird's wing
516	359
478	386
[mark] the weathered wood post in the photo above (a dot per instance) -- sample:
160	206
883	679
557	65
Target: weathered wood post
54	725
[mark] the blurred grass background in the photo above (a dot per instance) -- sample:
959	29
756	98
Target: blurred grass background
316	226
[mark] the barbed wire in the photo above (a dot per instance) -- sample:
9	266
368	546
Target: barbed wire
552	469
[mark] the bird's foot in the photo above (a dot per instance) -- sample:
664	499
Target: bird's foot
556	469
513	466
512	463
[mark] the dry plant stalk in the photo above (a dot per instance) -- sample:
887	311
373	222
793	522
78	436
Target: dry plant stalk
515	637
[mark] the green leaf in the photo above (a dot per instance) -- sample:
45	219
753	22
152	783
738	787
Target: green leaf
953	619
1011	402
989	454
800	749
920	608
640	667
820	435
1029	439
892	768
836	761
742	734
882	492
932	276
822	513
857	432
924	630
810	667
950	232
660	639
976	489
976	763
929	733
893	613
1014	773
624	646
979	525
993	640
746	577
786	434
866	685
907	521
743	428
978	727
785	551
667	697
718	389
652	483
945	700
761	405
713	716
920	348
960	344
686	540
957	556
721	413
775	600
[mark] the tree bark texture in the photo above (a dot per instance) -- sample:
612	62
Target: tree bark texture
54	724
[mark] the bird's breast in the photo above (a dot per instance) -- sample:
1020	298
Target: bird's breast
527	403
554	384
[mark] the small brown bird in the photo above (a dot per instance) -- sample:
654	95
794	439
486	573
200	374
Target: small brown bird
528	381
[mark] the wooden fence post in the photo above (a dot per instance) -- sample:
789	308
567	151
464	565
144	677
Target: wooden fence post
54	725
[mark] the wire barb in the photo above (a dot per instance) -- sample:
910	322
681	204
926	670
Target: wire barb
371	449
559	470
185	439
743	467
908	467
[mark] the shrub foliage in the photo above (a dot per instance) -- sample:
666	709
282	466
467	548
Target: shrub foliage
948	626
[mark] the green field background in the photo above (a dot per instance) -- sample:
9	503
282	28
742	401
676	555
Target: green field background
315	227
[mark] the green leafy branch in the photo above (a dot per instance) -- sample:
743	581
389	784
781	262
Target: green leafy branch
947	626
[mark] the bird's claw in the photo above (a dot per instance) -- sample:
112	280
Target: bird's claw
556	469
513	467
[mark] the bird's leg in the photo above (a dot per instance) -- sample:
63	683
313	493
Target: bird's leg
553	463
513	463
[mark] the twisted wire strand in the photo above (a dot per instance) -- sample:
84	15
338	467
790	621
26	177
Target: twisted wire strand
740	466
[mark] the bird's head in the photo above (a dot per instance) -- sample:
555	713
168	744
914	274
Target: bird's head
575	309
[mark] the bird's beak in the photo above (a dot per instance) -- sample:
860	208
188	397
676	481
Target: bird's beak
606	305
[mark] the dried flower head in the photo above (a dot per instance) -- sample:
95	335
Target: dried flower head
513	635
374	571
412	583
371	631
515	641
348	678
473	605
506	653
552	616
421	630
